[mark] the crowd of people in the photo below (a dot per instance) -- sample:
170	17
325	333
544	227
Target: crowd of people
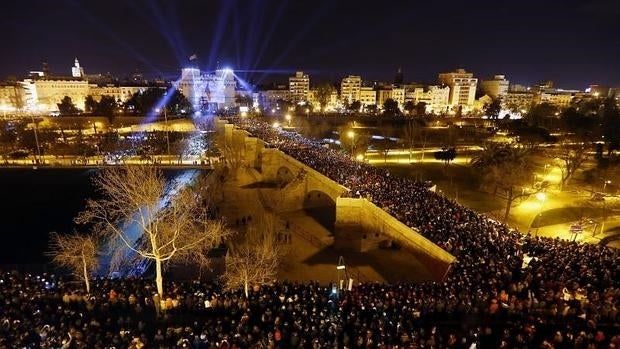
506	289
46	311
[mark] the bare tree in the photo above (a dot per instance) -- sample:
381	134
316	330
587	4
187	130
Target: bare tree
570	157
158	221
76	252
255	259
232	153
506	169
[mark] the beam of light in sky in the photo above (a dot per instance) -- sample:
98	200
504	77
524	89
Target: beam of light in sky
308	24
246	86
107	31
162	103
219	31
166	25
267	37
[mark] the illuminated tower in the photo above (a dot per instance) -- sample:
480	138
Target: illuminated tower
192	86
76	70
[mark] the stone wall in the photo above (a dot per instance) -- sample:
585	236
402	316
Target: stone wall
362	226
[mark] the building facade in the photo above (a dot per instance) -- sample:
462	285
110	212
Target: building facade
268	99
436	97
120	93
44	94
208	90
368	96
518	101
462	88
350	88
299	87
11	98
497	87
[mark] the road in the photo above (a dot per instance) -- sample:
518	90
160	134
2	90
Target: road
101	161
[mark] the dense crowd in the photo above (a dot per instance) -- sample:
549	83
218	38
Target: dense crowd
45	311
506	290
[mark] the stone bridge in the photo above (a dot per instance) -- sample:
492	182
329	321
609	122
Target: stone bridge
289	185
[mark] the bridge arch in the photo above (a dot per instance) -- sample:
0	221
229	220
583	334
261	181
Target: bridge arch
322	207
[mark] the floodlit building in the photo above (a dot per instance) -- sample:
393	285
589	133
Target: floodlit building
398	94
120	93
436	97
268	99
11	98
44	94
77	71
208	90
299	87
558	98
462	88
497	87
368	96
518	101
350	88
383	94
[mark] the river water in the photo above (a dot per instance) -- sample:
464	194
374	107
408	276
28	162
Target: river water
37	202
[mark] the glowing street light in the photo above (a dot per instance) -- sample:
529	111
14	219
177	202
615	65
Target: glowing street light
288	118
360	157
540	196
351	134
276	124
605	185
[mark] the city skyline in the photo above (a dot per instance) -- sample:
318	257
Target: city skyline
267	40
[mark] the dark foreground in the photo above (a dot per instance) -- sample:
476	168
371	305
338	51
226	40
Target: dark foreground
47	312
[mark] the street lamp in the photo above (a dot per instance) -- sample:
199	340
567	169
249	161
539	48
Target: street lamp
36	140
605	185
351	134
541	196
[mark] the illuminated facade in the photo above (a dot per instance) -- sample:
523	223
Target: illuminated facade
268	99
558	98
435	97
11	98
495	88
77	71
368	96
518	101
299	87
350	88
45	94
395	93
120	93
462	88
208	91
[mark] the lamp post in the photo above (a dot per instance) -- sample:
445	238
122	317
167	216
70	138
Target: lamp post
351	134
541	197
36	140
342	275
607	181
166	124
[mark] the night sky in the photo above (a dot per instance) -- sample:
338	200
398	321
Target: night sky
573	42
